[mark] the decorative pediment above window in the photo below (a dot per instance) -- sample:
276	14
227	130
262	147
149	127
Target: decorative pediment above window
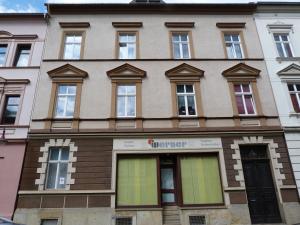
280	26
7	35
67	72
126	71
241	71
185	72
291	72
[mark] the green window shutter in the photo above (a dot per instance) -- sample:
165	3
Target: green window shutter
137	182
201	180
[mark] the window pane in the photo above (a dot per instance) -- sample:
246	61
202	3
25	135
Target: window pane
10	109
123	52
291	87
130	90
167	180
295	103
131	106
185	51
235	37
123	38
240	104
276	37
49	222
121	106
122	90
70	106
284	37
168	197
175	37
54	152
62	175
62	89
76	51
176	50
135	178
227	37
288	50
298	87
180	88
237	88
181	105
71	89
189	88
246	88
280	50
131	38
77	39
2	59
22	55
201	180
68	54
60	106
52	168
64	154
230	51
131	51
70	39
184	37
23	59
238	51
191	105
249	104
3	49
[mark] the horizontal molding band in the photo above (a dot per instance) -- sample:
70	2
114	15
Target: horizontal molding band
160	118
151	59
228	189
19	67
64	192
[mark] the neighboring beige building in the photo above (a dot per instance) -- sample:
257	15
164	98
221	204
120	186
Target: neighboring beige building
153	113
21	47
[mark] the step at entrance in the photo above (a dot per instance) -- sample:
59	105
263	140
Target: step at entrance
171	215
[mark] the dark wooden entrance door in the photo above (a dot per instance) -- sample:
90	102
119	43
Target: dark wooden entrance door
168	180
260	189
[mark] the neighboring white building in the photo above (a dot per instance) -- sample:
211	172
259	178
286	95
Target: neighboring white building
279	32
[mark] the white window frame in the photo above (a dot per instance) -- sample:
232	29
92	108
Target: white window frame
73	44
126	95
127	42
58	162
6	53
185	95
281	42
180	42
243	94
66	101
232	43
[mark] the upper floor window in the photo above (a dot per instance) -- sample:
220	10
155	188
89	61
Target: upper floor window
10	109
22	55
283	45
3	50
72	46
181	46
65	102
294	90
186	100
127	45
244	99
233	46
57	167
126	101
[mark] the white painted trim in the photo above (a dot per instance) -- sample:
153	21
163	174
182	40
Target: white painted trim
66	192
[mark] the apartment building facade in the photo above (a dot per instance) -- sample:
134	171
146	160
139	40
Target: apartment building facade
154	113
21	46
279	33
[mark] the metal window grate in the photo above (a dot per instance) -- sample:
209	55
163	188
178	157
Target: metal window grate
197	220
124	221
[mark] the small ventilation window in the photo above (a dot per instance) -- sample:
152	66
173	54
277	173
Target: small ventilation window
197	220
124	221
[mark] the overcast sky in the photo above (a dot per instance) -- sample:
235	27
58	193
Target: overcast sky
27	6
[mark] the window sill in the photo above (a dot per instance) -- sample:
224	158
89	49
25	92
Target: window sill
155	208
285	59
202	207
294	114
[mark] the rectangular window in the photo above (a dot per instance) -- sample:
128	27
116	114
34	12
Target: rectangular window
181	46
233	46
22	55
126	101
137	182
11	108
57	168
72	46
127	46
49	222
65	103
283	45
186	100
244	99
294	90
3	50
201	182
